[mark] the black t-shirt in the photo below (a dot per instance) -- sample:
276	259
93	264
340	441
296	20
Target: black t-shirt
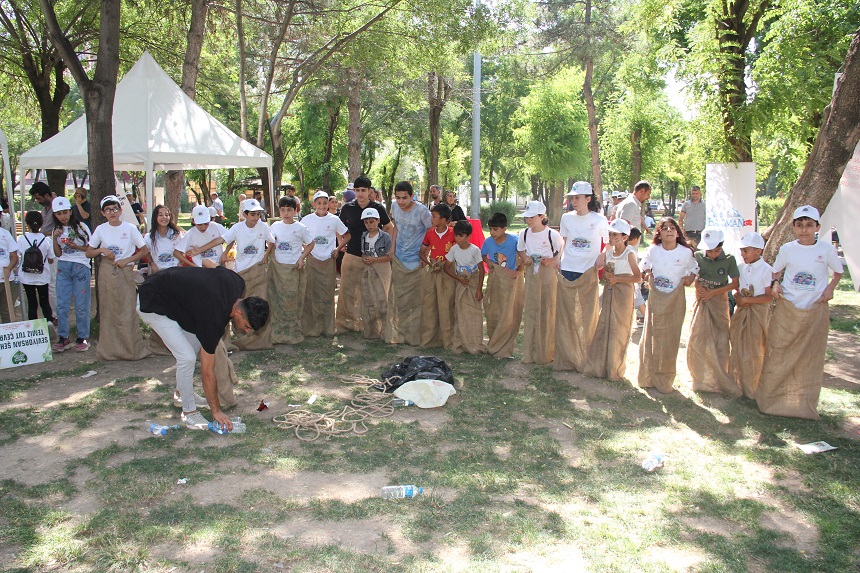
199	299
457	213
350	214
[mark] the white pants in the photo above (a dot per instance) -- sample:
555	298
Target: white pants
184	346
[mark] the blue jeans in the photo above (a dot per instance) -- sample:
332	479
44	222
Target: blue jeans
73	279
571	275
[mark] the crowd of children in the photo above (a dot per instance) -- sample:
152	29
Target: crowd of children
416	278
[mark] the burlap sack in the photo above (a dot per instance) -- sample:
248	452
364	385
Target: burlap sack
539	315
286	291
255	285
348	317
794	361
748	337
404	305
225	375
607	355
503	305
577	311
468	318
375	282
437	306
708	348
658	348
318	307
120	337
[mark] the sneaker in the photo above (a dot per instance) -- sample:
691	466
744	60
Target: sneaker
199	400
82	345
195	421
62	345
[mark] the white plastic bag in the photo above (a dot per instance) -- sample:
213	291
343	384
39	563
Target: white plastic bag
426	393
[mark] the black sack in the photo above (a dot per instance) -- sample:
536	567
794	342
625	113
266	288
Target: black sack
415	368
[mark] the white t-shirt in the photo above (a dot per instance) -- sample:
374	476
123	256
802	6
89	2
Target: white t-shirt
758	275
290	241
7	247
324	231
45	245
250	243
466	260
80	236
621	263
161	250
121	240
806	270
669	267
219	206
194	238
542	243
583	236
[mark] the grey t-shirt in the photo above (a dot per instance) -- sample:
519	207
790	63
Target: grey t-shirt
631	211
694	215
411	227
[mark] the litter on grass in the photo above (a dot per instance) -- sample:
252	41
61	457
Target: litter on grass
89	373
815	447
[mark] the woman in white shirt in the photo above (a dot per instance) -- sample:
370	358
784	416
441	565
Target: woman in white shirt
162	240
36	284
669	266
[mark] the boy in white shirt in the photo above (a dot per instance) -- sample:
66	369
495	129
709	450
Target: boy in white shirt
797	334
464	264
748	333
121	245
190	250
376	278
287	279
329	236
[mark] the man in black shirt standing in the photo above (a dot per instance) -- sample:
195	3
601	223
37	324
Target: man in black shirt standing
348	316
189	308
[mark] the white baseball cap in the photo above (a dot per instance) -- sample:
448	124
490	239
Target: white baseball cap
580	188
200	214
534	208
109	199
752	240
616	194
252	205
320	194
619	226
370	213
807	211
710	239
60	204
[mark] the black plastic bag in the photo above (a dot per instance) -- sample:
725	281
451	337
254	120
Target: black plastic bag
415	368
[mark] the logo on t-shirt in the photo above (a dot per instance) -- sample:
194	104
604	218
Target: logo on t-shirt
804	281
321	240
580	244
466	269
67	250
209	254
285	247
664	284
165	257
250	250
115	250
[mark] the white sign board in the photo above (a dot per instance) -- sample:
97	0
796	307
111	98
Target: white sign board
730	201
843	212
25	342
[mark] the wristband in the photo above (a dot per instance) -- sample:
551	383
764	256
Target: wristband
773	282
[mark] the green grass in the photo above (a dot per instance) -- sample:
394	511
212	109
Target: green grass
512	476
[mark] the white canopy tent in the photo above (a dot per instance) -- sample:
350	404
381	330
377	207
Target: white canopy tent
156	127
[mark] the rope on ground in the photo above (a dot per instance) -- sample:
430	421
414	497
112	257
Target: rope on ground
309	426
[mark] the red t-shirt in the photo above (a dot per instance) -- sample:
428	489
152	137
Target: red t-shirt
439	246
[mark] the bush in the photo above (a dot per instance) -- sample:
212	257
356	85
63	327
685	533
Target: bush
506	207
767	210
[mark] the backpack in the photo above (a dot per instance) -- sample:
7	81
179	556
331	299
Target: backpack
33	261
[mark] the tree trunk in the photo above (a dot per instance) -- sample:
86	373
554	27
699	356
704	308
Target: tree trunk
833	149
353	105
174	185
438	91
590	108
635	157
243	98
333	117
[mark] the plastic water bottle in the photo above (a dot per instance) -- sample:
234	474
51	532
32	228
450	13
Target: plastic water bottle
238	427
401	402
401	491
160	430
652	462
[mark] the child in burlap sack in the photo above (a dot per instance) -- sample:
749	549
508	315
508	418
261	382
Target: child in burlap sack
669	266
708	349
376	278
607	354
437	323
797	334
463	263
505	295
748	333
539	250
286	276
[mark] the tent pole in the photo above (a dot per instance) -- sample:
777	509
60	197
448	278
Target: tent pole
273	205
